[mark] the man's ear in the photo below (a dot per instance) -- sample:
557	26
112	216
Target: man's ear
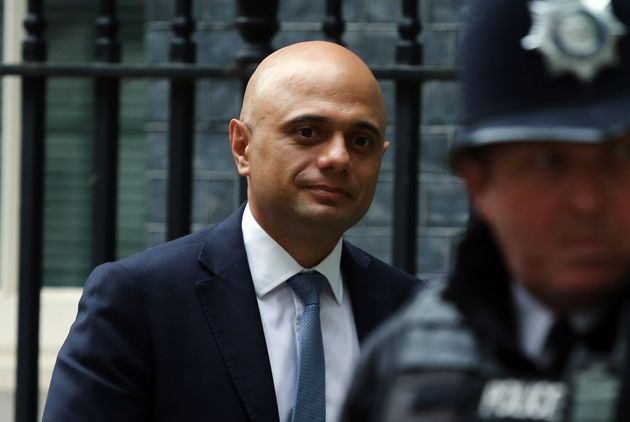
239	141
475	177
386	145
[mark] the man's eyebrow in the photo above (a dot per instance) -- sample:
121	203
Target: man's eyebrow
305	118
316	118
369	127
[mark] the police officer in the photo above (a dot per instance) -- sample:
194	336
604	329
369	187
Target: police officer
533	322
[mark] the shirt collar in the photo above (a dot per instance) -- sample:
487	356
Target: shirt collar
270	265
535	320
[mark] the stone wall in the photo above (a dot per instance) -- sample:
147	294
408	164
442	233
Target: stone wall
371	31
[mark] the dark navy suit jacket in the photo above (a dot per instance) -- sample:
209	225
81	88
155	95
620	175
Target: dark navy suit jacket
174	333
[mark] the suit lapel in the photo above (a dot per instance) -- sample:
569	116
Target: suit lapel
371	298
230	305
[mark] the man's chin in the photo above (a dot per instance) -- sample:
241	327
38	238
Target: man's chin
333	214
582	291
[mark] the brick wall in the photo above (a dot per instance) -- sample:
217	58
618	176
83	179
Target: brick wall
371	31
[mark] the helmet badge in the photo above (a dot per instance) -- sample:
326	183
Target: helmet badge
574	36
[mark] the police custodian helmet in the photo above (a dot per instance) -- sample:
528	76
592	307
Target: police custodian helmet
545	70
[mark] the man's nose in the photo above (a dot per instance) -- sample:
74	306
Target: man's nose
587	192
334	154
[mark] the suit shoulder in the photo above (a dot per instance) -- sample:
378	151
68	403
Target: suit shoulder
169	252
165	261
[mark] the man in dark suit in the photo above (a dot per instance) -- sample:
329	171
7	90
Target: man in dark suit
205	328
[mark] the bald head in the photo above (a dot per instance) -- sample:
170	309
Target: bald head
312	66
310	141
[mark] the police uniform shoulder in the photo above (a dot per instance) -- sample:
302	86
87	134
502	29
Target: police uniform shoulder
434	333
428	306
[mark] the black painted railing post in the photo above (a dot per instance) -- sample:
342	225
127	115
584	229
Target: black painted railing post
407	143
333	25
106	138
181	125
31	218
257	24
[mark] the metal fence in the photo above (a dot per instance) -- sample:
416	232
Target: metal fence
257	24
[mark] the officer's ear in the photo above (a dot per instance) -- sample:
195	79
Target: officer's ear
239	141
475	173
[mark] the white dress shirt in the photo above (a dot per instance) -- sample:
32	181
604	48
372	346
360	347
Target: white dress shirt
280	310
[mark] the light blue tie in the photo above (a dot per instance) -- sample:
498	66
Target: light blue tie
310	398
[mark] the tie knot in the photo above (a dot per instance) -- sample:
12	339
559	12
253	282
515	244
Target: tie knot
560	343
561	335
308	286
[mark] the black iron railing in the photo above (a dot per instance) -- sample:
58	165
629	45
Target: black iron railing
106	137
257	24
407	145
31	221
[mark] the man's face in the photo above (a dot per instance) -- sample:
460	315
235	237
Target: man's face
561	216
314	148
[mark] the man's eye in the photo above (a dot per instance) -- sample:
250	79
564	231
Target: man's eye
622	153
548	160
362	141
306	132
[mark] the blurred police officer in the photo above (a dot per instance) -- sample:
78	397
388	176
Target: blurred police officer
533	323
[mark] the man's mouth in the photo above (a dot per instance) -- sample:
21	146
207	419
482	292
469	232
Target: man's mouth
328	192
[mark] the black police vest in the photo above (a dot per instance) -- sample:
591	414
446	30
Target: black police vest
441	373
